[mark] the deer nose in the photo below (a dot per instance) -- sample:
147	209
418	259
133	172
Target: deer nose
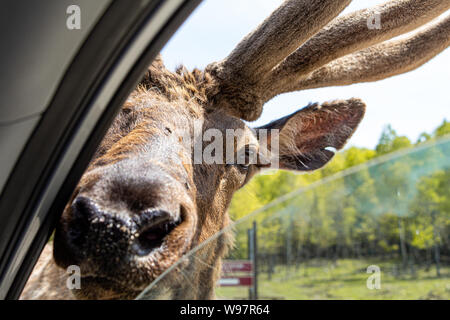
93	232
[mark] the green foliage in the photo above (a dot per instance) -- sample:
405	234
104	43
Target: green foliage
345	279
399	208
443	129
390	141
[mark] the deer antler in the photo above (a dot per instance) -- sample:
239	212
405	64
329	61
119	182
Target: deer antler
349	34
293	23
315	52
383	60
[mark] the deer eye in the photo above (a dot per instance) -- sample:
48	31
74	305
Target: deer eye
243	167
246	159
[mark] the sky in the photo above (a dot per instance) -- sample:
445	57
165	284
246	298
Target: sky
412	103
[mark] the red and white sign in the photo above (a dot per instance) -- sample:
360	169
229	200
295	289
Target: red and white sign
230	266
236	273
236	281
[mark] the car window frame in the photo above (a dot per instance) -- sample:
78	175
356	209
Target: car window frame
56	155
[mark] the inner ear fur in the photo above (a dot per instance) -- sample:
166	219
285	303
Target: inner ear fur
308	137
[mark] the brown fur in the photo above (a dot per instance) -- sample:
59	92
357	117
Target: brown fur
164	100
163	103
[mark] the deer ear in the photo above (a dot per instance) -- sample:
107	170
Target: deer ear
309	137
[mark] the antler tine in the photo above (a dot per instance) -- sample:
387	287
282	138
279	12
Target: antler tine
289	26
351	33
383	60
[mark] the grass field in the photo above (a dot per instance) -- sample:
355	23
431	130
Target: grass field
346	279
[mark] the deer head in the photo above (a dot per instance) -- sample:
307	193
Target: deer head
144	202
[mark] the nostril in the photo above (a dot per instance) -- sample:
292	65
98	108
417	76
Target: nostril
156	225
83	209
